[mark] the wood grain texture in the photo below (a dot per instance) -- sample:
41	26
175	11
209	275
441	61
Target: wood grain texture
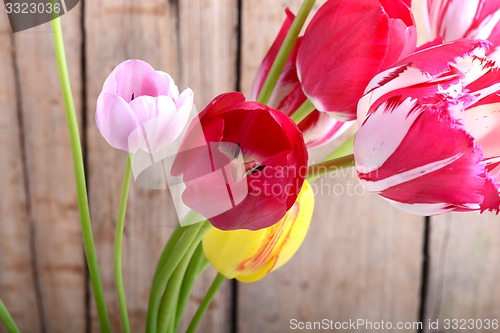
17	288
464	271
194	41
57	256
361	258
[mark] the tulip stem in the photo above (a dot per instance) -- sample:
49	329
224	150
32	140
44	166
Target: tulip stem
167	312
167	266
316	170
120	225
197	265
79	171
6	318
303	111
344	149
209	296
284	52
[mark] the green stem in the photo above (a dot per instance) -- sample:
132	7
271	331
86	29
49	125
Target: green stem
167	308
167	250
81	188
120	225
209	296
303	111
165	271
344	149
197	265
284	52
166	317
7	319
322	168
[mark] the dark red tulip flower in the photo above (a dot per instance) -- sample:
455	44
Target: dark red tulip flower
244	169
346	44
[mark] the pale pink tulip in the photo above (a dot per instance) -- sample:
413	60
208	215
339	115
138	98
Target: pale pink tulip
140	107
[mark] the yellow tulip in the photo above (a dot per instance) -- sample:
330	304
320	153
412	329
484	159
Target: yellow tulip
249	255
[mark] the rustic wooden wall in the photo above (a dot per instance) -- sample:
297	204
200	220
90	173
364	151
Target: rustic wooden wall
361	258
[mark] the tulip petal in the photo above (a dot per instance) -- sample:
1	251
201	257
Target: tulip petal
402	40
437	59
160	122
320	128
115	120
156	83
483	122
352	70
475	19
401	177
266	140
250	255
215	193
126	79
410	76
268	60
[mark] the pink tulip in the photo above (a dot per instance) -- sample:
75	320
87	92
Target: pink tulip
319	128
346	44
139	107
429	142
465	19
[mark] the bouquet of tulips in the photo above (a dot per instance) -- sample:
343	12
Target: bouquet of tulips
239	170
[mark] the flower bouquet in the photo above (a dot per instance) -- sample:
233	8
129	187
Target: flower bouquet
419	123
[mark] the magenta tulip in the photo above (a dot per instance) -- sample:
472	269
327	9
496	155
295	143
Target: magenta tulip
319	128
246	166
430	133
346	44
139	107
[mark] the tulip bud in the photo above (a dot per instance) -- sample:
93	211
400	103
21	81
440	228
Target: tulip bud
139	107
250	255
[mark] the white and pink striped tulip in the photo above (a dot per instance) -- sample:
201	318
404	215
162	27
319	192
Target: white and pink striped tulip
429	142
454	19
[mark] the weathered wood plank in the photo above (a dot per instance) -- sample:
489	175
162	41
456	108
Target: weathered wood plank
464	272
17	288
52	196
195	41
361	258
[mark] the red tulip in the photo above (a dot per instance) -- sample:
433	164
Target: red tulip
319	127
346	44
246	168
465	19
430	139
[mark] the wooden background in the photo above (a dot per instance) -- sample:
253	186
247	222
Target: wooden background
361	259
